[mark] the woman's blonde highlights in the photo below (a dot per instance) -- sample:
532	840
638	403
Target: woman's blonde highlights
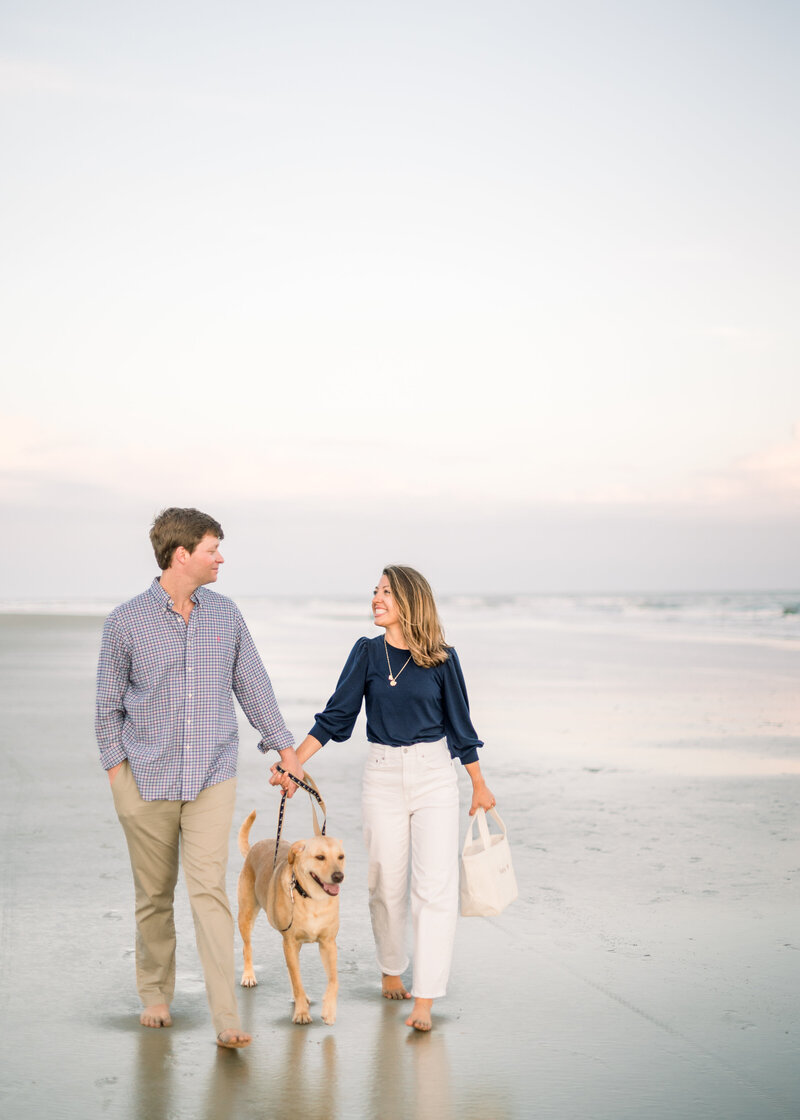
419	617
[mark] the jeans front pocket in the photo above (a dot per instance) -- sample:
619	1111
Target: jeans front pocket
435	756
376	759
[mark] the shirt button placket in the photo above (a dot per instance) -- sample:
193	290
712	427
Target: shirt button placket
188	729
189	654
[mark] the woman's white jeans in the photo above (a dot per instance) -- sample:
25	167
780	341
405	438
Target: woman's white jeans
410	812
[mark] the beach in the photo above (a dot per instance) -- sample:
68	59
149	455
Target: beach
646	761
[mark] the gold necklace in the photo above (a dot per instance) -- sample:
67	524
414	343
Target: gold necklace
392	677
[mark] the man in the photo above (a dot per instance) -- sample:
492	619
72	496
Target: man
169	662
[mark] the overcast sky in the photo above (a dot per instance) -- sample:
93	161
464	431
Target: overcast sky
506	290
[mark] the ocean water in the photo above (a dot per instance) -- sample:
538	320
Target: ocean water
748	616
686	683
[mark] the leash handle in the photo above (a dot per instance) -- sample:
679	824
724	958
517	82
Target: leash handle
310	787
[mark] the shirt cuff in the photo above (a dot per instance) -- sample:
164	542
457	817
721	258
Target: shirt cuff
112	756
282	745
320	734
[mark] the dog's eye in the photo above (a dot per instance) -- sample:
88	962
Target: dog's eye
320	857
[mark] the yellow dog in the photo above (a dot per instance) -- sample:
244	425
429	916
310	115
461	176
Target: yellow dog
300	895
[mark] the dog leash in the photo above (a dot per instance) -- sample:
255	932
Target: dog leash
310	786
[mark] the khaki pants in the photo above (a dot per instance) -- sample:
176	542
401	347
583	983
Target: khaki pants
158	832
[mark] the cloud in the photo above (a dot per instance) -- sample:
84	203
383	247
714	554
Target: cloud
770	478
367	471
79	517
37	461
766	481
778	468
741	338
25	78
22	78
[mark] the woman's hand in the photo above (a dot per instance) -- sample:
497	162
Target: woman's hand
482	798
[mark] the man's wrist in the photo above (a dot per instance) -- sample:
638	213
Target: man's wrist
266	747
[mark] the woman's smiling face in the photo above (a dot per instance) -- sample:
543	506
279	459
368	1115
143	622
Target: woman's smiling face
384	607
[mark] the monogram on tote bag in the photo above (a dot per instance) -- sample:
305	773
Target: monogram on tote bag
488	883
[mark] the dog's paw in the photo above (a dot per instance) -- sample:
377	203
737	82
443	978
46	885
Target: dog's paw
329	1015
302	1016
249	980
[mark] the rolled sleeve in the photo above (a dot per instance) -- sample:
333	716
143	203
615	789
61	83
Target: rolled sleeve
253	689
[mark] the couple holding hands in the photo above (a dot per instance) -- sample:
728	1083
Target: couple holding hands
170	662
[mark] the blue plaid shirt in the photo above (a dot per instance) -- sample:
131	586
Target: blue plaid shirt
165	693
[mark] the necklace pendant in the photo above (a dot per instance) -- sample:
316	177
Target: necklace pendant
392	681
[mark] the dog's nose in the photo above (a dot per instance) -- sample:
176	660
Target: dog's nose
337	876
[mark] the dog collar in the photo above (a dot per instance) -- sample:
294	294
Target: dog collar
296	886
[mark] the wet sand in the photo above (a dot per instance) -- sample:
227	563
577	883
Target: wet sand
649	969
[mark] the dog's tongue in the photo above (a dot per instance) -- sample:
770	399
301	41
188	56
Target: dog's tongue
330	888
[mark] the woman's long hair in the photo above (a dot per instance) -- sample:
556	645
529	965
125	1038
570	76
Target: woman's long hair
419	618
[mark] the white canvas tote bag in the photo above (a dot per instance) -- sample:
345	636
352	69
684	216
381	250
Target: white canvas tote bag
488	884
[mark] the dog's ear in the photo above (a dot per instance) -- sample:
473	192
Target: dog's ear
295	851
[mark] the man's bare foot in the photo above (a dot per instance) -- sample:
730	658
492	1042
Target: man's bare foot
392	987
157	1015
233	1039
420	1017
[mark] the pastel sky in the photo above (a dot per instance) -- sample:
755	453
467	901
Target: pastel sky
505	290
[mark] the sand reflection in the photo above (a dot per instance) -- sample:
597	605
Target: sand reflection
154	1074
411	1075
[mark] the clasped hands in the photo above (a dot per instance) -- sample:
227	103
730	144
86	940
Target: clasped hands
290	764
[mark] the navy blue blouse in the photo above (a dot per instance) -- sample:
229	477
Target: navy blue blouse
424	706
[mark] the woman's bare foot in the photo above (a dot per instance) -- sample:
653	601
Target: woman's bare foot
157	1015
233	1039
420	1017
392	987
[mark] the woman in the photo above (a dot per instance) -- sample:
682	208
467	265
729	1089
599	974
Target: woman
417	722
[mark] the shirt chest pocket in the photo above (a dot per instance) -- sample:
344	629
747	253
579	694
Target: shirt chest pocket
216	652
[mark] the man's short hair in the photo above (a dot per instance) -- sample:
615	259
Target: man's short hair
180	528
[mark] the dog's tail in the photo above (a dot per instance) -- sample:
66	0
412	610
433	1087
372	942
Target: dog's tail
244	832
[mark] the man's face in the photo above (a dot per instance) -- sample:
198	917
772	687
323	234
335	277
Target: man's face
203	564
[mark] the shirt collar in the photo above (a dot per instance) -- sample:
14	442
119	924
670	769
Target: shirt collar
163	599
